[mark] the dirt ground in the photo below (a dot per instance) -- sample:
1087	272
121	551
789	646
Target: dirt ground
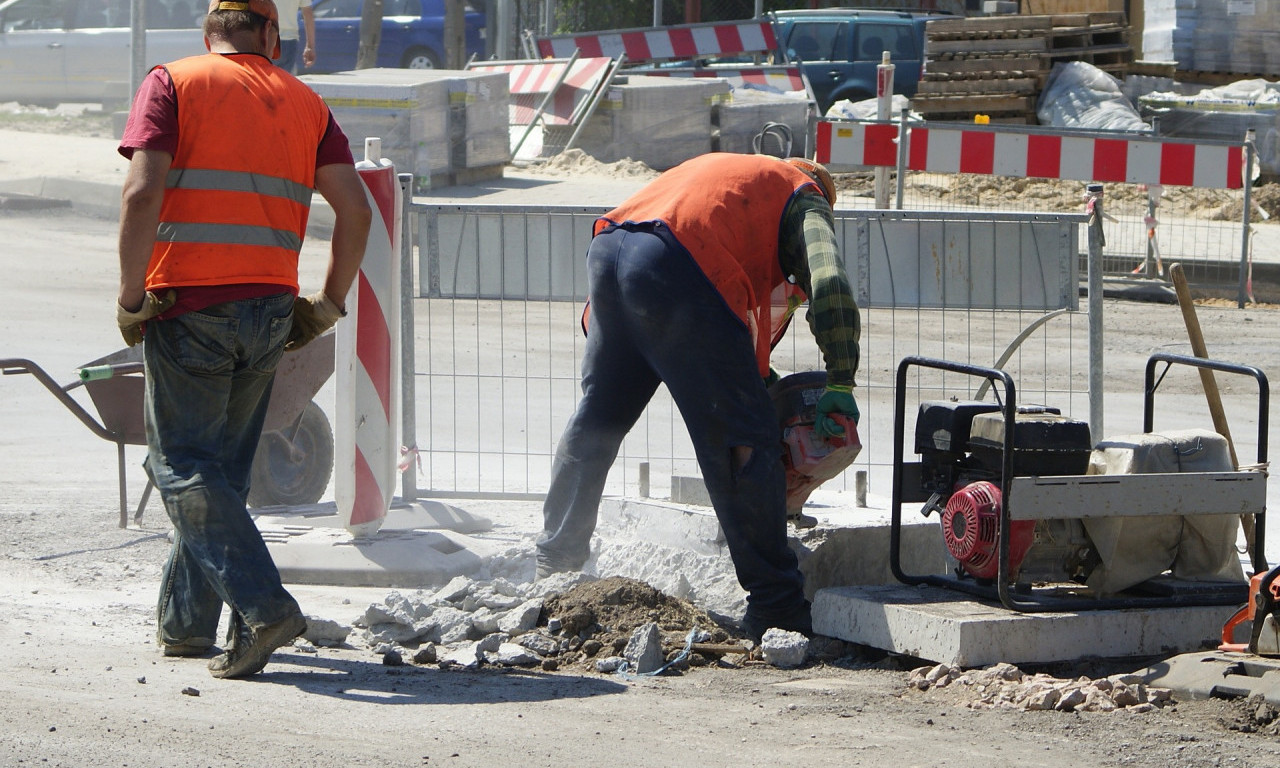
82	682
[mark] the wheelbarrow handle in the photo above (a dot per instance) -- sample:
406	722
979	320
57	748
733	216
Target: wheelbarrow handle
99	372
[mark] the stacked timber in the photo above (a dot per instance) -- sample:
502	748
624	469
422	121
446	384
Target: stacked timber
997	65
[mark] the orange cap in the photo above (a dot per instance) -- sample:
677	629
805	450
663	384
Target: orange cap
818	173
264	8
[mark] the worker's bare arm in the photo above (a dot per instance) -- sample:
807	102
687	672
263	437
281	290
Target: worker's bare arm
342	189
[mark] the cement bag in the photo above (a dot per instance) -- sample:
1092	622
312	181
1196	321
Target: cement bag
1192	547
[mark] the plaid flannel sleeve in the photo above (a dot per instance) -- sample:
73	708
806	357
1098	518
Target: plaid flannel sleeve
808	251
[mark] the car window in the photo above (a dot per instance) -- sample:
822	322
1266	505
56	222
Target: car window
816	40
873	39
36	14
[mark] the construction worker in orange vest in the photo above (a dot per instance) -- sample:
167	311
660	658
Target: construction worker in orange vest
691	283
224	152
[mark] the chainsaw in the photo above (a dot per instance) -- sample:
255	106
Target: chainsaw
1264	637
809	460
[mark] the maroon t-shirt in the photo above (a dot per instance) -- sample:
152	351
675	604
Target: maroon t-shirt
153	125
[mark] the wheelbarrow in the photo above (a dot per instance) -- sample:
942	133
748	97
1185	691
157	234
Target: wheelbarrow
294	460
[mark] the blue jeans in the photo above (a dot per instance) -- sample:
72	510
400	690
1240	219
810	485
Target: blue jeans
656	318
208	382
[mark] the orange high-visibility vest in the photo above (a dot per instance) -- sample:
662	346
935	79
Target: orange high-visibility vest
239	189
726	210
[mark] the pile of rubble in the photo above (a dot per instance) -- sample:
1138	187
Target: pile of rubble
1004	686
610	625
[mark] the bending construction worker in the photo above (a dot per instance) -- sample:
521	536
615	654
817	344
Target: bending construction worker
691	283
224	151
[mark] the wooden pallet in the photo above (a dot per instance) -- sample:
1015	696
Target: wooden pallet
1002	86
973	104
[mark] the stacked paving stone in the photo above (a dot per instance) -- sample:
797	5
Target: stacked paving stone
1004	686
997	65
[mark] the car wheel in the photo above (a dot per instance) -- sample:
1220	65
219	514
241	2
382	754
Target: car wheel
419	58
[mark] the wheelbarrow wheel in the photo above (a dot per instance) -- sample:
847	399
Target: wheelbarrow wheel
293	471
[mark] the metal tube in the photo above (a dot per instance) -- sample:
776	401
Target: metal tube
408	411
1245	228
1096	243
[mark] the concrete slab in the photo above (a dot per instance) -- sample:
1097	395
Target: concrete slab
405	559
403	516
1217	675
944	626
680	549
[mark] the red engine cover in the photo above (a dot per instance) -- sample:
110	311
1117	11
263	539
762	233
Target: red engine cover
970	523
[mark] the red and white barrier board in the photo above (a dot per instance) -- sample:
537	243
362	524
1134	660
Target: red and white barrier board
531	81
682	41
366	441
1132	160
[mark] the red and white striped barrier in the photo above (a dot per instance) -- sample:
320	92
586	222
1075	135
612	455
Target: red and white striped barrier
780	78
682	41
366	443
1132	160
531	81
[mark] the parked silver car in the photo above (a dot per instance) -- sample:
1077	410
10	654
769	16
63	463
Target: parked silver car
54	51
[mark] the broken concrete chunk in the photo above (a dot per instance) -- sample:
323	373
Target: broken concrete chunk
610	664
325	632
512	655
491	643
644	650
539	644
784	649
457	589
522	618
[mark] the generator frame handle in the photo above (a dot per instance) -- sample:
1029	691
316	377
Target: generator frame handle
1152	383
1001	590
1009	408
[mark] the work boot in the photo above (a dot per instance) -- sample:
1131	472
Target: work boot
250	648
796	620
187	649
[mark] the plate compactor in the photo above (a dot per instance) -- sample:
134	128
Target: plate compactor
809	460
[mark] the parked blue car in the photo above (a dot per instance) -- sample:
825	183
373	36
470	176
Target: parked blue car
412	34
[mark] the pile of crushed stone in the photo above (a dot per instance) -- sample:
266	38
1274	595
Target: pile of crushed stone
1253	714
1004	686
567	620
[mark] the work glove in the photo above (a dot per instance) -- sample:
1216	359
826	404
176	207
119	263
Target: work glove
836	399
312	316
772	378
131	322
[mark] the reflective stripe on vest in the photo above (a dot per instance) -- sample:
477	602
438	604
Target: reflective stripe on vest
238	193
726	210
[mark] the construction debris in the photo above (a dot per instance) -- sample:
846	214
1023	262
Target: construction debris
996	66
1004	686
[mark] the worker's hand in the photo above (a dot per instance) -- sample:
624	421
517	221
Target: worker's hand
836	399
131	322
312	316
772	378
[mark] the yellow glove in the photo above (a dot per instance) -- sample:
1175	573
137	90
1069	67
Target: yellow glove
131	322
312	316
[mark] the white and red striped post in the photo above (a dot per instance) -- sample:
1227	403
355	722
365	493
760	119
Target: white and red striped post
366	443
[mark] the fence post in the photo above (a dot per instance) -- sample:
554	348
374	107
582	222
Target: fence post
408	414
1096	243
1244	224
901	169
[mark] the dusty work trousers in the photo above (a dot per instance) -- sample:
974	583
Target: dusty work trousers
655	317
208	383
